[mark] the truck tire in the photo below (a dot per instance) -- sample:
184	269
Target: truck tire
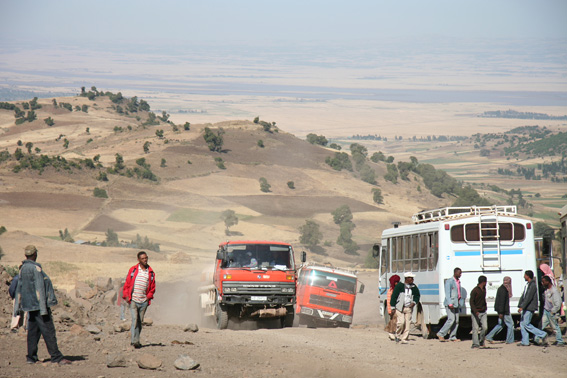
222	317
287	321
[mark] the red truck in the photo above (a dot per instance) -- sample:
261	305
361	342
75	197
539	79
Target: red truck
326	296
252	279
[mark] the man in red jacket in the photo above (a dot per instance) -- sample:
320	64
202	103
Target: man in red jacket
139	291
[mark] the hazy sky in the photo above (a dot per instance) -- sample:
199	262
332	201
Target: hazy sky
106	21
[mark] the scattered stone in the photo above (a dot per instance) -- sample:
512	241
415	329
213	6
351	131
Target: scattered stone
110	297
104	284
116	360
122	327
184	362
83	302
77	330
65	317
174	342
147	361
191	327
93	329
148	321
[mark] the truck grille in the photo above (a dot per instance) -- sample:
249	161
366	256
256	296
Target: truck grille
320	300
259	288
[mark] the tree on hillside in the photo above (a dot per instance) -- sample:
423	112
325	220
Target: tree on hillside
378	156
159	134
111	238
367	174
214	141
345	238
358	148
66	236
264	186
49	121
342	214
187	126
230	219
147	147
29	146
377	196
310	235
317	139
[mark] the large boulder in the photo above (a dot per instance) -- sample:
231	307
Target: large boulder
184	362
116	360
104	284
148	361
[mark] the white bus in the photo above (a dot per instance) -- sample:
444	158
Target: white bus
492	241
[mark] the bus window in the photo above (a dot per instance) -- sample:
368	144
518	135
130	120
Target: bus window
384	259
415	253
423	250
407	253
457	233
433	251
471	232
400	254
519	232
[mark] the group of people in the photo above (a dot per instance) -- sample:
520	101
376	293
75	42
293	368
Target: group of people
34	296
404	296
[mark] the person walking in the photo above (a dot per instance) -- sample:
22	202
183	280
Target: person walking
404	298
35	294
452	303
526	307
478	313
502	308
138	291
552	309
393	282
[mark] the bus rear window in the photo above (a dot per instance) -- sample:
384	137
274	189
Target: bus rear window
470	232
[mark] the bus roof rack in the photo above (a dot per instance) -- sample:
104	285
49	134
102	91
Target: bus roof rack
329	266
444	213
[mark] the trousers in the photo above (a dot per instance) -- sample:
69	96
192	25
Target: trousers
38	326
507	319
138	311
452	323
403	323
480	321
526	326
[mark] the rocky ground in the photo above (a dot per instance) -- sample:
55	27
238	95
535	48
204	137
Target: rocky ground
93	338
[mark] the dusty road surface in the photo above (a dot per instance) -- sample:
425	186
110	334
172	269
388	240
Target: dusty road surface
362	351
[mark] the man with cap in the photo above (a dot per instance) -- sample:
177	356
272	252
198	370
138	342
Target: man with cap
35	295
404	298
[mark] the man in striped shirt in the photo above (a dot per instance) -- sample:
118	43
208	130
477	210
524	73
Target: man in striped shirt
139	291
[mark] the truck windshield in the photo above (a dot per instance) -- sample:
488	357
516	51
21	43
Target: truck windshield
260	256
331	281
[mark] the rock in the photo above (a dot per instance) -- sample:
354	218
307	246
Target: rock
77	330
122	327
93	329
184	362
83	302
104	284
148	321
65	317
147	361
116	360
110	297
191	327
85	292
73	294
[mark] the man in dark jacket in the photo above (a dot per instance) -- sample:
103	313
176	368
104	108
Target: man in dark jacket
35	294
502	308
478	312
527	305
404	298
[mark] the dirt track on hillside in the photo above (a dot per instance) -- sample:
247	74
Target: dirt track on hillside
362	351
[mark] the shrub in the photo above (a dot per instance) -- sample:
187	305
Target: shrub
49	121
100	193
2	230
159	134
85	108
187	126
66	236
163	163
310	234
291	185
147	147
65	143
220	163
214	141
339	162
264	186
378	156
260	143
335	146
377	196
257	119
317	139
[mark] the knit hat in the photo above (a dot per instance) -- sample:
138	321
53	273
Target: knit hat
30	250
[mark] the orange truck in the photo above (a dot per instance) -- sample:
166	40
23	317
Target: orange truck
251	279
326	296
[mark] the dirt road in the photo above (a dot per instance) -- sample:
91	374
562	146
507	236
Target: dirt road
362	351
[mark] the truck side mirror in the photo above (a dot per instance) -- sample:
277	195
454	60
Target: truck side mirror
221	254
361	288
376	250
303	256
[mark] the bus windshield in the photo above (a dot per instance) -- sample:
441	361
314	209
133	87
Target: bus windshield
260	256
327	280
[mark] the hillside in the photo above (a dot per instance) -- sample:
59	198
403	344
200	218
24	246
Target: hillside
48	185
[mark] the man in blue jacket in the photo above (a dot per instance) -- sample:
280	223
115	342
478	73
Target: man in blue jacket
452	301
35	294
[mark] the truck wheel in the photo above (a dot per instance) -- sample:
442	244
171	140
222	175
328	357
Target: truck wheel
222	317
287	321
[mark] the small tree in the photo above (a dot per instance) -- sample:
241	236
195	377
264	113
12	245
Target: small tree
187	126
310	235
257	119
159	134
214	141
29	146
65	143
377	196
119	163
147	147
230	219
49	121
291	184
264	186
342	214
220	163
66	236
163	163
111	238
260	143
88	130
2	230
100	193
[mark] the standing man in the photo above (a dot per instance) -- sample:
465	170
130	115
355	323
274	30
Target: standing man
139	291
502	308
452	302
478	312
552	309
526	307
35	294
404	298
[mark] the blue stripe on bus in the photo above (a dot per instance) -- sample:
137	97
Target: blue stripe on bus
491	252
428	286
428	291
